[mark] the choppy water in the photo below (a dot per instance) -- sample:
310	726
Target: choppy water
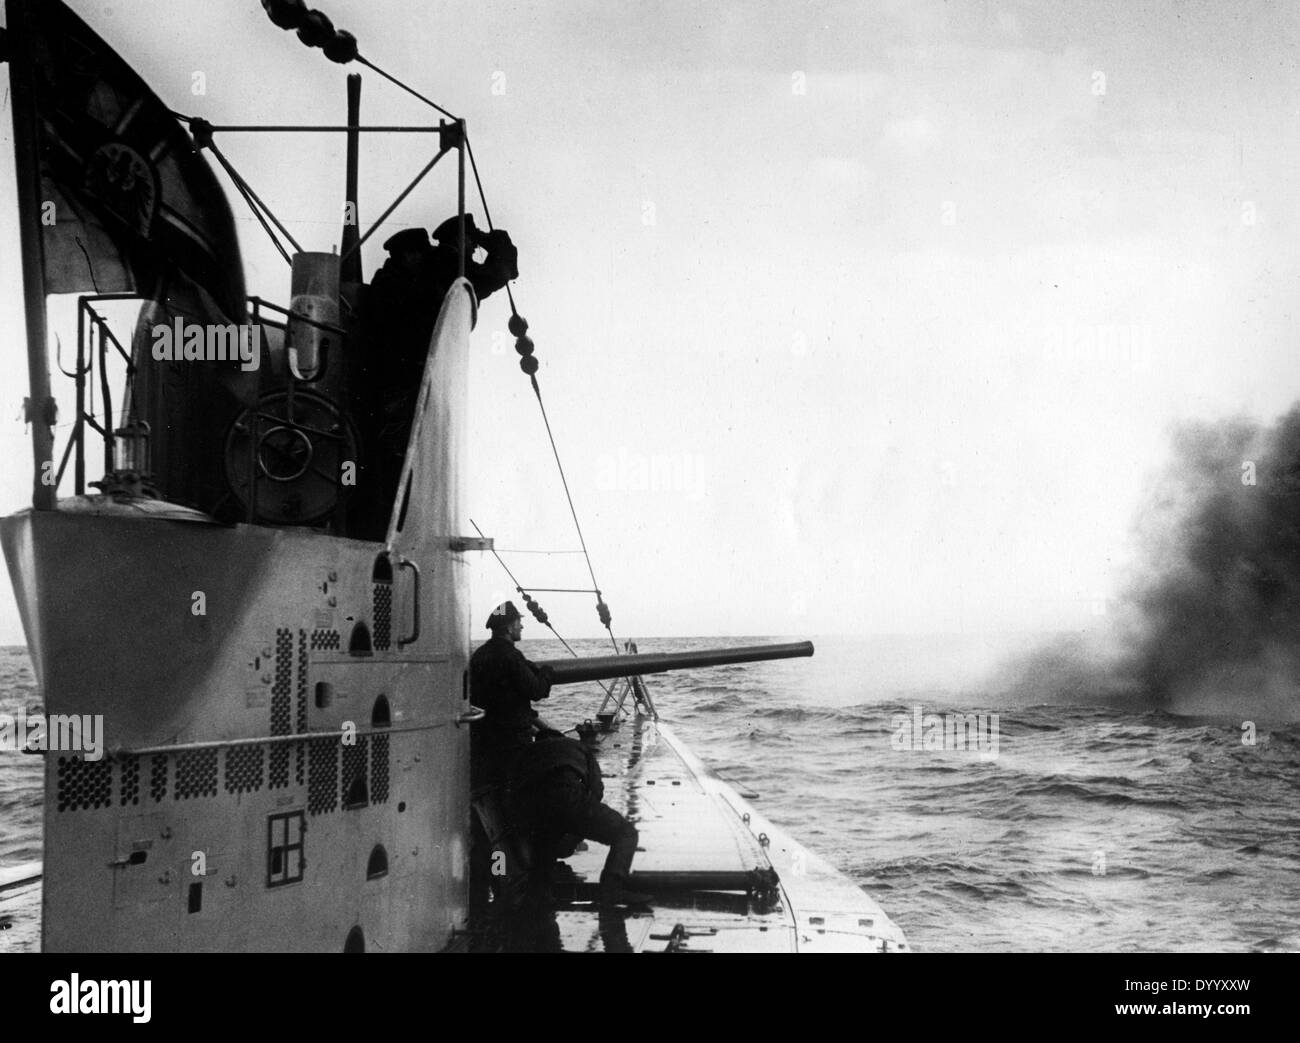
1107	828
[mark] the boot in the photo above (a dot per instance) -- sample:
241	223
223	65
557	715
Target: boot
614	891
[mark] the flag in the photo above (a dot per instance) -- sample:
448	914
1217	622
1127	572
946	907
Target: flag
126	199
126	203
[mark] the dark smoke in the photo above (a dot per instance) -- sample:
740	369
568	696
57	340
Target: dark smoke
1211	623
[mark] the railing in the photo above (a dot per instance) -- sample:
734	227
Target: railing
95	336
92	329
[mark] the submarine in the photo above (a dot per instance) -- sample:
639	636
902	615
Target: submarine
269	615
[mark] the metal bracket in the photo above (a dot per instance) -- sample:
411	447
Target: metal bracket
471	715
450	135
461	544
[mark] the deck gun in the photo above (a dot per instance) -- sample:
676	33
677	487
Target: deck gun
630	667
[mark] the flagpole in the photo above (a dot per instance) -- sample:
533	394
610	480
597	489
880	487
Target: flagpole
40	407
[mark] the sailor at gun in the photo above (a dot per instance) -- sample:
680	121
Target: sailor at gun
504	685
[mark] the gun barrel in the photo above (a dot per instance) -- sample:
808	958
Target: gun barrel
604	668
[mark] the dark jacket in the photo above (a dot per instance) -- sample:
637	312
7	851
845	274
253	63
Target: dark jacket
504	684
539	763
402	306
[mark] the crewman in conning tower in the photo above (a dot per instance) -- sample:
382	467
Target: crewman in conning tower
401	307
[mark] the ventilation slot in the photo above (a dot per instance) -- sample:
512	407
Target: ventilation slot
379	771
356	941
300	767
85	784
281	707
302	681
280	691
381	716
378	864
322	791
196	774
355	791
243	769
279	766
158	777
381	594
129	790
326	640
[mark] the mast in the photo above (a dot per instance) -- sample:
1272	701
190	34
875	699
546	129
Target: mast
351	271
40	405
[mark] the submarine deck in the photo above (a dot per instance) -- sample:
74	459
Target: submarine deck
721	876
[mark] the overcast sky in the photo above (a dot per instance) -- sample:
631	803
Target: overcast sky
852	316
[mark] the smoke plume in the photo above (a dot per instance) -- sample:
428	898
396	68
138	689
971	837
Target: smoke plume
1211	621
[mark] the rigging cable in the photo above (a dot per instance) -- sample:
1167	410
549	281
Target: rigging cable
524	345
538	612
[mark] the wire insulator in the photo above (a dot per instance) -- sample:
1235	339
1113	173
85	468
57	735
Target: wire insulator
341	47
316	29
287	14
528	364
517	325
201	132
538	612
602	610
524	345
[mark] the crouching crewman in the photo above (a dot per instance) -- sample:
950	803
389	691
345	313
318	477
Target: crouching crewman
556	792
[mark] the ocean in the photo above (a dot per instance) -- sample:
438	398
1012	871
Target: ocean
1092	823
